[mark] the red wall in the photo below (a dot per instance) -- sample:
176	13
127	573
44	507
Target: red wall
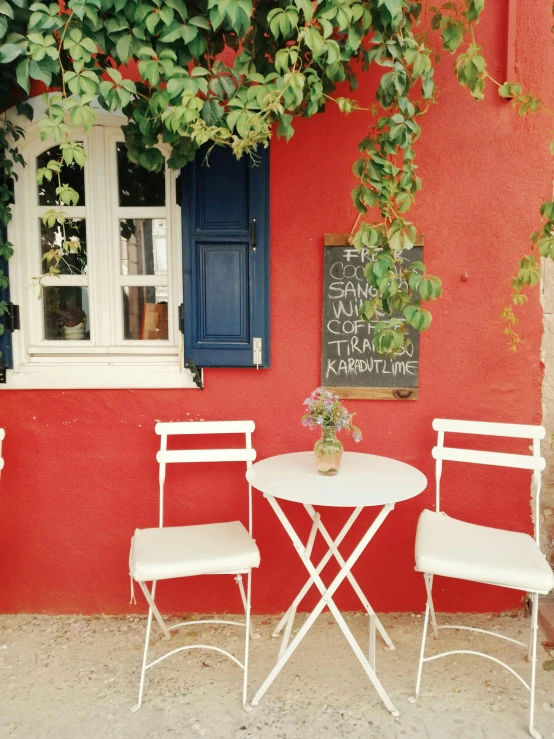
80	469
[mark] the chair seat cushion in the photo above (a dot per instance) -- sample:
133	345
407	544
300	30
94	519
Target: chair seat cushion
453	548
184	551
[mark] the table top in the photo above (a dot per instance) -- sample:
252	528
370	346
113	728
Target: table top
363	480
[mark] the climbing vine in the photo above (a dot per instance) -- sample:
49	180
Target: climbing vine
283	59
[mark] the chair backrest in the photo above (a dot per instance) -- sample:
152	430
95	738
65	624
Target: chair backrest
532	461
2	435
193	428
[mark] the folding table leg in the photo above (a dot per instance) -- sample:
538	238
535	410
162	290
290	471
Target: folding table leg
357	589
326	599
308	584
372	619
291	613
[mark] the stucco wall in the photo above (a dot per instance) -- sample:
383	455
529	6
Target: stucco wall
80	469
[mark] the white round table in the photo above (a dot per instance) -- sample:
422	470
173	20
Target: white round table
364	480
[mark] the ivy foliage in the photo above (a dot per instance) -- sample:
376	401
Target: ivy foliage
232	72
286	59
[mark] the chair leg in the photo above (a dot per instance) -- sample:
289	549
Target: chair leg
429	588
238	580
246	705
423	640
534	635
150	599
530	650
144	661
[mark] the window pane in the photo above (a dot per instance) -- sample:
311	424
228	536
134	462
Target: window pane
73	254
71	175
138	186
66	313
145	312
143	246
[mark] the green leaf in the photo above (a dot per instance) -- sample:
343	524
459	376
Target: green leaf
212	112
509	90
40	71
188	33
124	47
22	74
200	22
223	87
152	21
547	210
9	52
430	288
474	10
166	15
285	127
452	35
418	318
5	9
306	6
529	271
172	33
357	198
392	12
180	6
152	159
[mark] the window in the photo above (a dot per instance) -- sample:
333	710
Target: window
110	317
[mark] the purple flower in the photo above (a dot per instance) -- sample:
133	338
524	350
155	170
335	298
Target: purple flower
323	408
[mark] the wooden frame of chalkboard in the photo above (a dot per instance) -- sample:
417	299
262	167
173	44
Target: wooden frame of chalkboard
371	381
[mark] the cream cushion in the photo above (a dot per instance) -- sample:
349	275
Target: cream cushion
452	548
184	551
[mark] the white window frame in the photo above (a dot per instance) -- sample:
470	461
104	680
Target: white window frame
82	364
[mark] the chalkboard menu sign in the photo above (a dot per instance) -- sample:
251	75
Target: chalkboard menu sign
350	365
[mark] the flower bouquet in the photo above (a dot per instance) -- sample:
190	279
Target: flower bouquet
325	411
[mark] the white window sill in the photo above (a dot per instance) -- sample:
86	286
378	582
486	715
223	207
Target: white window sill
102	374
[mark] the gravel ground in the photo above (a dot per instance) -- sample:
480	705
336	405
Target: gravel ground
76	677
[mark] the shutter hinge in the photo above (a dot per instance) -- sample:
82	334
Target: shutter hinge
3	368
179	189
11	318
257	352
195	372
181	319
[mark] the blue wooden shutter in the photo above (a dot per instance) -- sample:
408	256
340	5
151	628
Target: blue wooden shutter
6	360
225	211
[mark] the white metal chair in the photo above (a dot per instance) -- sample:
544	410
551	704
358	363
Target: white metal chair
184	551
451	548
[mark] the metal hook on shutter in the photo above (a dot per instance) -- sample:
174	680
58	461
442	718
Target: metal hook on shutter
253	235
